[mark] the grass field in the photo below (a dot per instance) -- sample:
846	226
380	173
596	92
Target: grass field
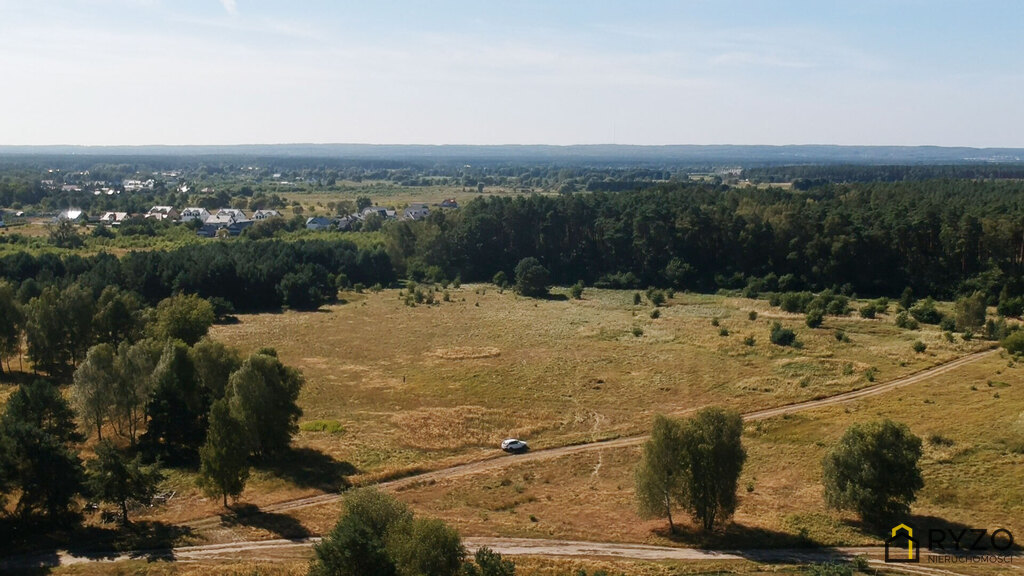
428	385
973	462
392	389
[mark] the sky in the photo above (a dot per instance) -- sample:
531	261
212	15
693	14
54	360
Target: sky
857	72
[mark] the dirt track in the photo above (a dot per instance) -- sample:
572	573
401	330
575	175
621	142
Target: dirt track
299	549
291	549
504	461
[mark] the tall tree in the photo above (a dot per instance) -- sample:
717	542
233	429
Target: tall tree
182	317
118	316
714	458
214	364
95	385
45	334
874	471
178	406
531	277
11	320
39	455
224	458
263	395
113	477
660	481
135	366
357	545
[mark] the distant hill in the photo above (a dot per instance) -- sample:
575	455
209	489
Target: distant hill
591	154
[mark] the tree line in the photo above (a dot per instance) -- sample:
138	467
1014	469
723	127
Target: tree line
938	237
249	275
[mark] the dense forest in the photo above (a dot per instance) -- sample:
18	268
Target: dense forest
250	275
939	237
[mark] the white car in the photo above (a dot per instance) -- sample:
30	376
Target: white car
514	445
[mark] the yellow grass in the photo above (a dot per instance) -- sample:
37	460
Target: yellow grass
974	482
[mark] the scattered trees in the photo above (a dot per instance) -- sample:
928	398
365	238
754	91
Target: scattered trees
694	464
874	471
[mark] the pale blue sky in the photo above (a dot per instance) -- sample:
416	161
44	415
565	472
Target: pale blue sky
939	72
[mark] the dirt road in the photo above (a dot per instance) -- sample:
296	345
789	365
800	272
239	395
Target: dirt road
504	461
285	549
299	549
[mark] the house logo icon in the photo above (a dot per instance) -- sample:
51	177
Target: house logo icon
897	551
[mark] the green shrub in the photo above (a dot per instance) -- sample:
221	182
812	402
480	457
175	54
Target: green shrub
868	311
925	312
577	290
749	340
752	315
903	320
814	318
1014	343
920	347
781	336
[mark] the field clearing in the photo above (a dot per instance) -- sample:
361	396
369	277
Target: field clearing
428	386
973	461
393	389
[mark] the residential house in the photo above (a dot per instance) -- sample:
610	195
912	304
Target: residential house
229	215
190	214
344	223
417	211
237	228
162	213
113	218
264	214
318	223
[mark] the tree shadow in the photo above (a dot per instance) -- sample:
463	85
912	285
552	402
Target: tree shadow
310	468
251	516
735	536
35	552
923	525
553	297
